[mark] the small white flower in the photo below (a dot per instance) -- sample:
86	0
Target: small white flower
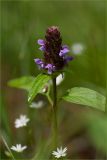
60	152
77	48
37	104
59	79
18	148
21	121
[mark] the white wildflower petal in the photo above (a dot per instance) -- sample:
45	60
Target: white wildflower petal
61	150
65	149
13	148
24	147
57	156
54	153
64	154
58	149
21	121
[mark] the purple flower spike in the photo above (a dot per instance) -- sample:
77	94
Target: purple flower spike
54	53
41	42
50	68
63	51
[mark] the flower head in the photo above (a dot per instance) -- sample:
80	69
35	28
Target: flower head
60	152
18	148
21	121
55	54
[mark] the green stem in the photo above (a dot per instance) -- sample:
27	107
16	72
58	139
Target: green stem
49	99
55	130
8	148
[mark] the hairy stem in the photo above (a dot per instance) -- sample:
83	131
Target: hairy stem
54	113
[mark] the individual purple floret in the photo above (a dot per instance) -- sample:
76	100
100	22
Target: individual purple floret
55	54
64	51
41	42
39	62
50	67
68	58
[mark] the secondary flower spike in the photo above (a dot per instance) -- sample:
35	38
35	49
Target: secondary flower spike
54	53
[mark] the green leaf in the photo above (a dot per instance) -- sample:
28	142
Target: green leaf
22	82
85	96
38	85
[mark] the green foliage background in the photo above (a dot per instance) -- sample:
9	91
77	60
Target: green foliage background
23	23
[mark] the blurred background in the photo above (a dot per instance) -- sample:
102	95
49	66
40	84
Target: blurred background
82	25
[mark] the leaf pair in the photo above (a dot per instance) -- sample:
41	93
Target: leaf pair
77	95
